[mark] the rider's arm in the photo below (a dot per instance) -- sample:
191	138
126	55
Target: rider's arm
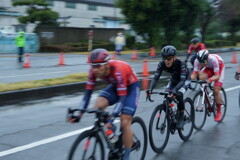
86	99
90	85
195	70
190	49
183	78
156	76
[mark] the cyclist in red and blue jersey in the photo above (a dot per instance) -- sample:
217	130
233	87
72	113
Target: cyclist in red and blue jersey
210	67
195	46
180	79
123	90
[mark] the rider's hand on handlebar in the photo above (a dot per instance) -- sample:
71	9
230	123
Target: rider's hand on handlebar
209	80
237	76
75	118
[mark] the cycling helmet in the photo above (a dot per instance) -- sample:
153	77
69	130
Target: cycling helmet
99	56
202	55
168	51
195	40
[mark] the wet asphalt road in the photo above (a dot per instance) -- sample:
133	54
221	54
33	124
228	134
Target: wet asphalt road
37	129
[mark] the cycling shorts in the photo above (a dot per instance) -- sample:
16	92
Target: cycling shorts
210	73
130	105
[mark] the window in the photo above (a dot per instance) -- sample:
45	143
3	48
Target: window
92	7
70	5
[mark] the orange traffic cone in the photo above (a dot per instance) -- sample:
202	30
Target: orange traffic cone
234	58
134	54
61	59
152	51
145	69
27	61
145	83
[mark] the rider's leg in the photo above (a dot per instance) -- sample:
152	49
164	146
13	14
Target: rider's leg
101	103
181	108
126	121
218	98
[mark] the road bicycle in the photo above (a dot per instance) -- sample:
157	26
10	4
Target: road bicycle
205	104
90	144
164	121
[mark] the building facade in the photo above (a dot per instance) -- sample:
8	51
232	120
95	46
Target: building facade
72	13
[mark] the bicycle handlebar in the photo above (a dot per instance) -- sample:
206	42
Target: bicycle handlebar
199	81
165	94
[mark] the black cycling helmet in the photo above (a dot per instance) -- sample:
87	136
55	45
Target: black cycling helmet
195	40
99	56
168	51
202	55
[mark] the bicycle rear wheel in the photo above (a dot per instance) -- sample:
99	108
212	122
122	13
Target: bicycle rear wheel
88	146
187	130
200	114
140	138
159	129
224	105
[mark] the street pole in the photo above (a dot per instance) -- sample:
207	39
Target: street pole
90	40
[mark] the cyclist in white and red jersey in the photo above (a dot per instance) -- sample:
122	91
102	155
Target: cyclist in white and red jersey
123	90
210	67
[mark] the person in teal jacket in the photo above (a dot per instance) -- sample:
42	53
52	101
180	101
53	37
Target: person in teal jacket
20	42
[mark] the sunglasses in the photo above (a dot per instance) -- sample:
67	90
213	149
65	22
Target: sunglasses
97	65
203	61
168	58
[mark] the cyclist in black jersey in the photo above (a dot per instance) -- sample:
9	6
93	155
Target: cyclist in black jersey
180	78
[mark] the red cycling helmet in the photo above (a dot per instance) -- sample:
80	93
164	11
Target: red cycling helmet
99	56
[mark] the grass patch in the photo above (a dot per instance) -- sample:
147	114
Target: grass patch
71	78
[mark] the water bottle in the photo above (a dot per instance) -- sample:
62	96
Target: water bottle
110	132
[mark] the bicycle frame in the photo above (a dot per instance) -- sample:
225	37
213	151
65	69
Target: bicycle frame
115	149
169	110
206	97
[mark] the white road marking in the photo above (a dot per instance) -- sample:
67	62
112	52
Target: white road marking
232	88
44	141
33	74
59	137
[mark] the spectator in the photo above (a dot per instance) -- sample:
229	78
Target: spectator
20	42
119	43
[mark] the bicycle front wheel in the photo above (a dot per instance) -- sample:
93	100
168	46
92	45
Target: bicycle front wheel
159	129
88	146
139	146
187	130
200	108
224	105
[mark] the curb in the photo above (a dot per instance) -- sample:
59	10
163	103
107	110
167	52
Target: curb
16	97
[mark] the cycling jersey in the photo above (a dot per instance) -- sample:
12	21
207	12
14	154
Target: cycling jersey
121	75
215	66
123	88
196	47
178	71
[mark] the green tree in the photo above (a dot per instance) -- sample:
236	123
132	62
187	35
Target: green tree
230	16
160	21
37	11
